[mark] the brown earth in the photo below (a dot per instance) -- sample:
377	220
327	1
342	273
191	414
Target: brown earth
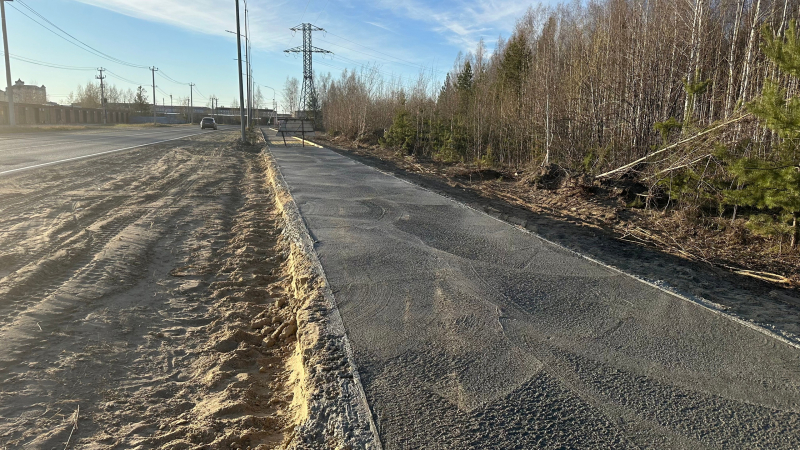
148	300
712	260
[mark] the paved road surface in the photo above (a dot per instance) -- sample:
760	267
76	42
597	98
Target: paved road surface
471	333
28	150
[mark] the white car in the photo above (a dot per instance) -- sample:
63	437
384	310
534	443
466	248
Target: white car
208	122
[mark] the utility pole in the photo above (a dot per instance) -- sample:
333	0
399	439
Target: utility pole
9	92
247	61
308	92
154	70
191	103
239	60
102	93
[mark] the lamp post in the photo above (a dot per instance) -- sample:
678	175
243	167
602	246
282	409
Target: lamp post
274	104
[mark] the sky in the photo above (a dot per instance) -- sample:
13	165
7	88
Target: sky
189	42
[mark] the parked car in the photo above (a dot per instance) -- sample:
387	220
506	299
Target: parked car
208	122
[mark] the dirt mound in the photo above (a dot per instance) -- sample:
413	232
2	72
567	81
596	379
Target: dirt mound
333	411
154	300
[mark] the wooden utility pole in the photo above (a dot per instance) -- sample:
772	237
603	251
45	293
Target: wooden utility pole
247	63
154	70
191	103
239	60
9	92
102	77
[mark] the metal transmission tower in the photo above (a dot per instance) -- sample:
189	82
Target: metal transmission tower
308	92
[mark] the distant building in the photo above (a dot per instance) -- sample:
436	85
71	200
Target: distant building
24	93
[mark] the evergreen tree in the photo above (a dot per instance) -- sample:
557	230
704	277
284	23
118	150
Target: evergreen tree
515	63
445	90
141	105
402	134
465	78
775	184
315	111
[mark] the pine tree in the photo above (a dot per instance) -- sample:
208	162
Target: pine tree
515	63
775	184
140	104
465	78
402	134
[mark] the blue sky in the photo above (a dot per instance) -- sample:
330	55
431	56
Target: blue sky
188	41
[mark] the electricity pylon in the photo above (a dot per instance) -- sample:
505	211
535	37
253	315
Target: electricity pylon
308	92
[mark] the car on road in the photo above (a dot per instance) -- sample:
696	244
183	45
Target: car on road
208	122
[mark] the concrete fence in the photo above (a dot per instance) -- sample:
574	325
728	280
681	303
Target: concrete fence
28	114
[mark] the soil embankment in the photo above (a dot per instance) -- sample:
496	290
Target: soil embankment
150	299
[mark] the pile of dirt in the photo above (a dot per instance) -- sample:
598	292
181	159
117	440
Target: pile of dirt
159	298
244	387
328	392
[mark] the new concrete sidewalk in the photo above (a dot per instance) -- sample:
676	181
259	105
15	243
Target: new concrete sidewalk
471	333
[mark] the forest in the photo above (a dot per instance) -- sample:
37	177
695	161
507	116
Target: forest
694	99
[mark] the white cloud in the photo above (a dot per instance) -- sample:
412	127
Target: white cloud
462	23
206	17
376	24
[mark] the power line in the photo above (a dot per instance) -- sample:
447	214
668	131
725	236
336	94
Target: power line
200	93
321	11
124	79
170	78
380	52
75	41
361	64
407	82
47	64
301	20
304	11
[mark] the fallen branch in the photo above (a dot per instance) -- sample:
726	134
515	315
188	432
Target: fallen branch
765	276
669	147
670	169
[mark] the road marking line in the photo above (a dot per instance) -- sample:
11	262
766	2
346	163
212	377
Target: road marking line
98	154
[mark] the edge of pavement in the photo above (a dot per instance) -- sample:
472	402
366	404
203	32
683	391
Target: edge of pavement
662	285
333	411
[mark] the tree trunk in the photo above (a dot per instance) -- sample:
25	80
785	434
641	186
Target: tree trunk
692	69
732	59
795	230
750	45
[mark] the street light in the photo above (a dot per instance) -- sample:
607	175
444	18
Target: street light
247	62
274	104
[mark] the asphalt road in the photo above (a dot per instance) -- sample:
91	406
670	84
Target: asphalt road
471	333
23	151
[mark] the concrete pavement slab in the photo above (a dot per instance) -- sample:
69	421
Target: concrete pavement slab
472	333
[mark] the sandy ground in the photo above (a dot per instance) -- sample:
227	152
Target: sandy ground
145	302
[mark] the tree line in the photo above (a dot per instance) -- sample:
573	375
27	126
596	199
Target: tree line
694	98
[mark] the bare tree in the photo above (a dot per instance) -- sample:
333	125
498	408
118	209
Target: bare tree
291	94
